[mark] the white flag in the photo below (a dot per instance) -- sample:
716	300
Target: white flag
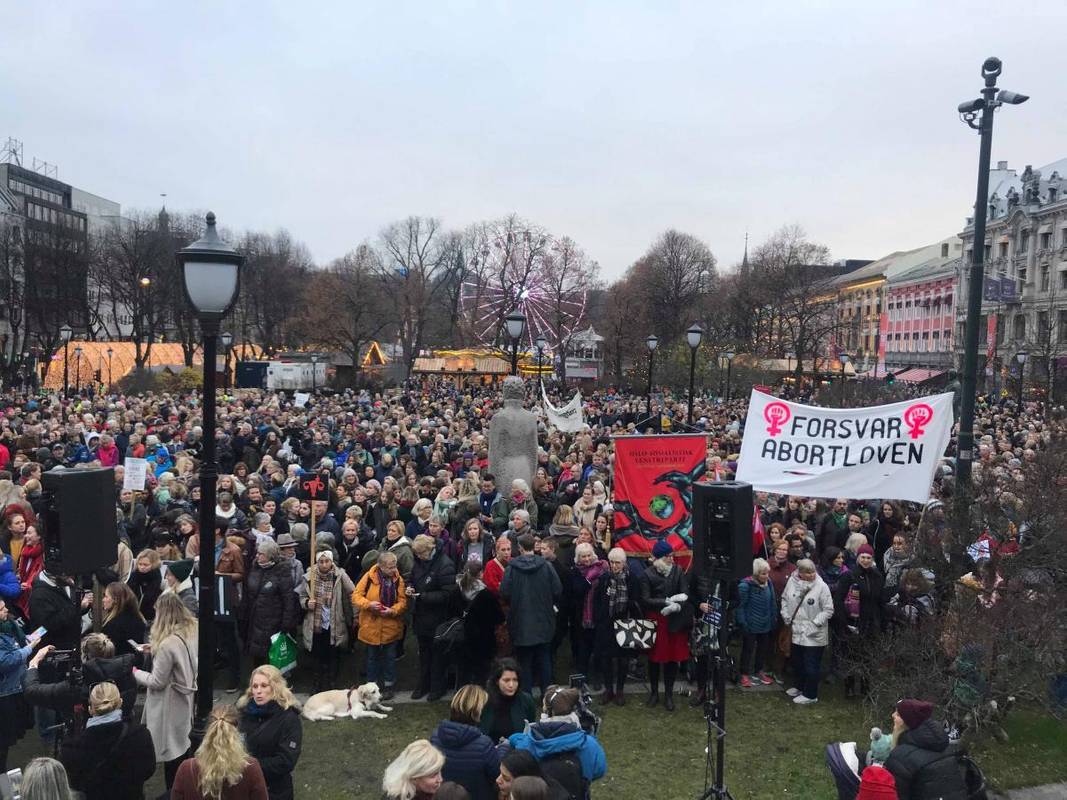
887	452
568	418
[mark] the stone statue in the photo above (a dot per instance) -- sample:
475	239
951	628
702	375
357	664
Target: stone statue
512	439
1013	197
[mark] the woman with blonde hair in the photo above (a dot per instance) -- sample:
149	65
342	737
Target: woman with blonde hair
222	769
471	758
168	708
110	758
415	774
271	727
146	581
44	779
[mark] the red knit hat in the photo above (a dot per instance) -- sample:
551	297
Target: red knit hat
877	783
914	712
865	548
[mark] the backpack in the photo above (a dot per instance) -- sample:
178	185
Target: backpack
566	770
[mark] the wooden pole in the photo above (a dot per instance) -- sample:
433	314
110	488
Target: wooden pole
314	567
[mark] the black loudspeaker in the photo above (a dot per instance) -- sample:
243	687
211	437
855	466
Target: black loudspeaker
722	530
80	518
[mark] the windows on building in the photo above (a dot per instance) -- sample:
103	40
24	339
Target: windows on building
1044	277
1061	324
1046	241
1024	241
1019	327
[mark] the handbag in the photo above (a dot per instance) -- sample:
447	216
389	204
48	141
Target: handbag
450	635
785	633
635	634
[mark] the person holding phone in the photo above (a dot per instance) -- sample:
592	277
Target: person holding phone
15	716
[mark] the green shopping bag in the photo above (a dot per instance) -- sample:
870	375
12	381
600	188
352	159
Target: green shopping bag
282	653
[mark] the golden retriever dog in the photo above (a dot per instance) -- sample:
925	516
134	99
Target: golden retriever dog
357	703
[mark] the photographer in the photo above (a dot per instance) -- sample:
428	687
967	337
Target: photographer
112	758
71	688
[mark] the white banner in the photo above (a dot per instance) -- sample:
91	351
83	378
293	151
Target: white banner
885	452
134	474
300	399
568	418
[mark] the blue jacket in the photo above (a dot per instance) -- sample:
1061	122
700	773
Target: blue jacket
10	588
471	760
546	739
757	611
12	664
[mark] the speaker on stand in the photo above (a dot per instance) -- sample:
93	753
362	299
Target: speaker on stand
722	555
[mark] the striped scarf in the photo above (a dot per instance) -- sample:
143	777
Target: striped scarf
323	599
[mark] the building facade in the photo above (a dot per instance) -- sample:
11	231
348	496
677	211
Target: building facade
862	302
920	316
1024	308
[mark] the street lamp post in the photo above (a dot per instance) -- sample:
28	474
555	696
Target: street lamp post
77	369
65	333
226	340
515	325
990	100
651	343
541	344
694	336
1021	357
843	358
729	356
110	376
211	275
314	370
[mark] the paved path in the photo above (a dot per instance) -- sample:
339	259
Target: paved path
1056	791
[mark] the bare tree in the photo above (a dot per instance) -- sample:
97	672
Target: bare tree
568	276
414	268
1047	339
12	288
670	278
273	278
342	307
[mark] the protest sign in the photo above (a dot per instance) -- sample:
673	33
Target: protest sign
300	399
567	418
135	474
889	451
652	495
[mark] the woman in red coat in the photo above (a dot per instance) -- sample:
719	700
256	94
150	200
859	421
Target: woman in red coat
31	562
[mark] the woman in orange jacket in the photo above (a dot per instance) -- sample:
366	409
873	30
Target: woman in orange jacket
381	601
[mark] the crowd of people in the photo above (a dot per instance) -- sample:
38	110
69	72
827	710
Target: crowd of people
417	548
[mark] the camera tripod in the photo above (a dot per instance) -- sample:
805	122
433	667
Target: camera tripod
715	704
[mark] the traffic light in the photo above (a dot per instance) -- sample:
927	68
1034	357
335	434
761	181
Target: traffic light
890	379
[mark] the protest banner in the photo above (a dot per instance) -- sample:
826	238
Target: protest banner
134	474
300	399
889	451
652	496
568	418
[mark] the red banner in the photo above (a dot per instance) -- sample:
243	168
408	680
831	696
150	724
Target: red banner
652	494
991	337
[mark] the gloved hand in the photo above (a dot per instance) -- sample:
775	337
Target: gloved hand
670	608
679	598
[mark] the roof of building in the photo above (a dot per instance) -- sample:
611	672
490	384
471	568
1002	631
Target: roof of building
1003	181
928	270
896	263
588	335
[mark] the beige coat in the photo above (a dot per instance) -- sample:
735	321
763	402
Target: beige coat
168	709
341	615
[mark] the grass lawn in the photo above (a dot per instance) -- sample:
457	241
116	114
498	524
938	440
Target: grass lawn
774	748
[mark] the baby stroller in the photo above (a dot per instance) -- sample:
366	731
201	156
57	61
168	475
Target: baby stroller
845	765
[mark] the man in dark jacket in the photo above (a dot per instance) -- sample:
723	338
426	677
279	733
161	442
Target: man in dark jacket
834	527
434	589
55	605
533	588
924	765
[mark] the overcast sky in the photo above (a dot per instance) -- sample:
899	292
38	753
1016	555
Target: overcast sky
608	121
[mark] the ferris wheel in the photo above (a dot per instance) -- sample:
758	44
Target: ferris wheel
516	273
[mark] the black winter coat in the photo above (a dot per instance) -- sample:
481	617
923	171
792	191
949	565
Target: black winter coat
274	737
871	586
479	626
51	607
62	696
435	583
925	766
604	619
110	762
125	626
655	589
270	606
471	759
147	586
350	554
